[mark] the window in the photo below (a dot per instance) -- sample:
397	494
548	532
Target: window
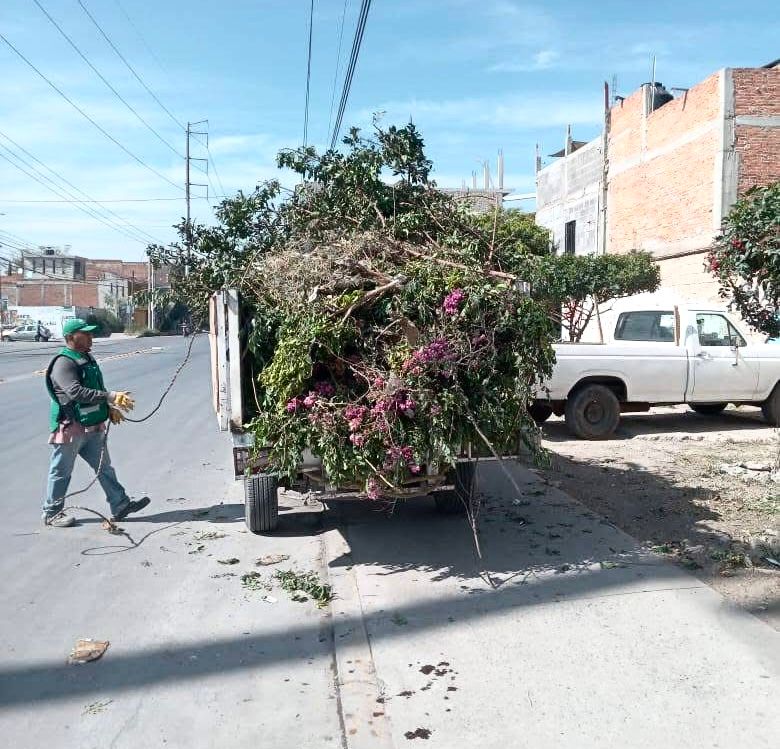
77	268
650	325
716	330
570	237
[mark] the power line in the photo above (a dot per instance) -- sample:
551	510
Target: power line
140	36
308	77
79	191
353	58
111	200
59	191
128	65
338	65
105	80
216	174
86	116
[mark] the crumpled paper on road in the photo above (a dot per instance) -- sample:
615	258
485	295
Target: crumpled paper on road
87	650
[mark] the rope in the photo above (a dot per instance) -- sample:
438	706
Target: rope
109	524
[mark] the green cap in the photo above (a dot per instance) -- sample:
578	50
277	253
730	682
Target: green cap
76	324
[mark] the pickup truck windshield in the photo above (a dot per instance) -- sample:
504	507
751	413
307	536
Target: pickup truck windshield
646	325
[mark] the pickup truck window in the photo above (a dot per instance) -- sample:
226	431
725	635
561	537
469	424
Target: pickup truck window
716	330
646	325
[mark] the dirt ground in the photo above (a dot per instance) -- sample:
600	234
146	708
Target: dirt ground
672	479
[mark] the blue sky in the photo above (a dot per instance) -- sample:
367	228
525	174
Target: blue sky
474	76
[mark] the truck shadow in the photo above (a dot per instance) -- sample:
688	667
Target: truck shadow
663	425
539	531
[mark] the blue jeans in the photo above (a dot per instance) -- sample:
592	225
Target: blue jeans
63	457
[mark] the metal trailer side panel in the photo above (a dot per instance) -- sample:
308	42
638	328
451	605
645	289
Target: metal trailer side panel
234	360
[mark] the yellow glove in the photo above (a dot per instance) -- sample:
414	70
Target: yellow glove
123	401
115	415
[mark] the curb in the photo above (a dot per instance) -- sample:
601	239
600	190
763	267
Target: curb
365	721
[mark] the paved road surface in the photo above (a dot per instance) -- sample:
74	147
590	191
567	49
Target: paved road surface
565	634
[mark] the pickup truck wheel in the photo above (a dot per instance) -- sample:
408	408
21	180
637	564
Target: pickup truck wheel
261	502
771	407
540	412
592	413
708	409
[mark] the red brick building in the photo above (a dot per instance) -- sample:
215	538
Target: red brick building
665	172
675	171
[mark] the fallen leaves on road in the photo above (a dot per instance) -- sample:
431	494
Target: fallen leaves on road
86	650
298	583
96	707
255	581
229	560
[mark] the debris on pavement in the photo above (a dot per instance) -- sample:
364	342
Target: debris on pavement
270	599
255	581
270	559
86	650
229	560
197	549
208	535
96	707
420	733
297	583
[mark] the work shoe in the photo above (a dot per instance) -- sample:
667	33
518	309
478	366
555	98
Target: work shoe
59	521
133	506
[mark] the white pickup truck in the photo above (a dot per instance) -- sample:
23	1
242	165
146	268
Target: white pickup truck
659	353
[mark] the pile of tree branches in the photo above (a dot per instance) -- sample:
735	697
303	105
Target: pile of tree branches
387	327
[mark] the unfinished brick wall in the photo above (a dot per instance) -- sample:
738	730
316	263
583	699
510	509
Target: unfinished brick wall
757	135
661	171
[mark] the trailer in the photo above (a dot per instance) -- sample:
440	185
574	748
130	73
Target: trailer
452	488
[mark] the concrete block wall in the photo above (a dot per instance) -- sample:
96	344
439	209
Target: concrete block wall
569	189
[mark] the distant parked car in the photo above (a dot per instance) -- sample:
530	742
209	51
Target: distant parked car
27	332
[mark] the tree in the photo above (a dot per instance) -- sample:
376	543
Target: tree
745	258
577	285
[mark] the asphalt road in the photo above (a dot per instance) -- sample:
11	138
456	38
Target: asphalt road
195	659
565	633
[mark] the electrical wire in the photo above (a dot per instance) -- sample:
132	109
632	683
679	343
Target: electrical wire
87	117
338	65
308	77
128	65
105	80
79	191
140	36
112	200
90	212
356	44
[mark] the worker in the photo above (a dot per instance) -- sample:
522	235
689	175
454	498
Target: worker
39	331
80	408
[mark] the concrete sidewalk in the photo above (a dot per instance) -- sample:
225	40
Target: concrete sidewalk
581	639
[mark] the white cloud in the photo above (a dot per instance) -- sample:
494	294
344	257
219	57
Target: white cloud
542	60
511	112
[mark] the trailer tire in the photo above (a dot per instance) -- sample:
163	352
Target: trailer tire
461	499
708	409
540	411
771	407
593	412
261	502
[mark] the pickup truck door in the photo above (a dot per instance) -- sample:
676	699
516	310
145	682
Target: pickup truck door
719	372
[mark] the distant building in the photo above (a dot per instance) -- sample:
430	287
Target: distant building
49	263
665	172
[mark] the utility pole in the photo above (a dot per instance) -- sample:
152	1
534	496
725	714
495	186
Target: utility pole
189	184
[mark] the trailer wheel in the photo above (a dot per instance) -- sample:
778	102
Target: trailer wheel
771	407
708	409
540	411
592	413
460	499
261	502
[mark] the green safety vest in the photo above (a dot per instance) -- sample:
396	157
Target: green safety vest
90	376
